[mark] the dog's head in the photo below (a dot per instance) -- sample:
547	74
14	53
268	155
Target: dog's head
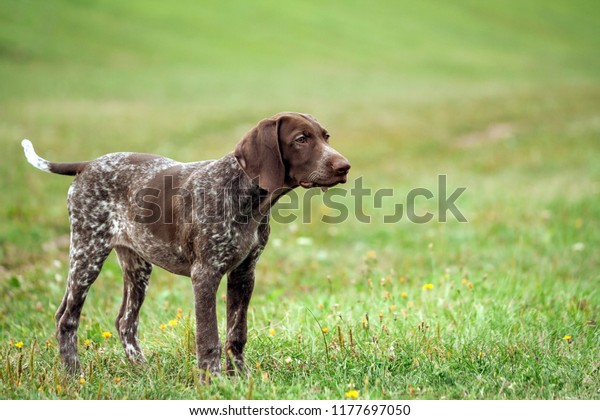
290	150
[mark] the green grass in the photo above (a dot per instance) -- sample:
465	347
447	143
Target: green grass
503	97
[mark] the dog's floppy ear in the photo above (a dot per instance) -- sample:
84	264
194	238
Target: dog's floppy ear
259	156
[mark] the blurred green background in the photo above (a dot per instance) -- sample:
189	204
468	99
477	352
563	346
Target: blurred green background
502	96
475	90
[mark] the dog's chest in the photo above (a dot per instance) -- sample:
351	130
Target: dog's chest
224	246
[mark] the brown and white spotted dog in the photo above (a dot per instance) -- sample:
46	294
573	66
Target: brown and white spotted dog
202	219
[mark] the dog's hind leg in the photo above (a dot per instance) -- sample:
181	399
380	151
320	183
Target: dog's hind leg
91	242
86	261
136	275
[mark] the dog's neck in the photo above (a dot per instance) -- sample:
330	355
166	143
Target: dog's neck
252	200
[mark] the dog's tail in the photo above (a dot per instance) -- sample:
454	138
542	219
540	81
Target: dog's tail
60	168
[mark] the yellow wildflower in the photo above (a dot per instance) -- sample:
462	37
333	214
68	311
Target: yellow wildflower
393	308
567	338
271	331
58	388
82	380
353	393
117	380
19	345
87	342
404	295
106	335
173	322
402	280
428	286
325	329
470	285
162	326
464	280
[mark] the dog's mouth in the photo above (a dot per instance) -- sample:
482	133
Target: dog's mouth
323	185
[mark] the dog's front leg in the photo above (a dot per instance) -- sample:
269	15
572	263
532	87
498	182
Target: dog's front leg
240	283
208	347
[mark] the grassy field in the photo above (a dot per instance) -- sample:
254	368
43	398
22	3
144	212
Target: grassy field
502	97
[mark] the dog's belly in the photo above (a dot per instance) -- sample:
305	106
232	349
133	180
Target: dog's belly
219	253
167	255
167	258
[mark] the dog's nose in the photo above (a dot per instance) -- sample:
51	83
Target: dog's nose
341	167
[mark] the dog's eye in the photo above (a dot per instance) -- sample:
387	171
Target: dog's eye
301	139
327	137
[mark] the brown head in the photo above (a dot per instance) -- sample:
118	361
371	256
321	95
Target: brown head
289	150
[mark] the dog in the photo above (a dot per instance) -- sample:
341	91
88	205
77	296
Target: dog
203	220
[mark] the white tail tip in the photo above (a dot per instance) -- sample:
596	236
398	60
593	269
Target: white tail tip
33	158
